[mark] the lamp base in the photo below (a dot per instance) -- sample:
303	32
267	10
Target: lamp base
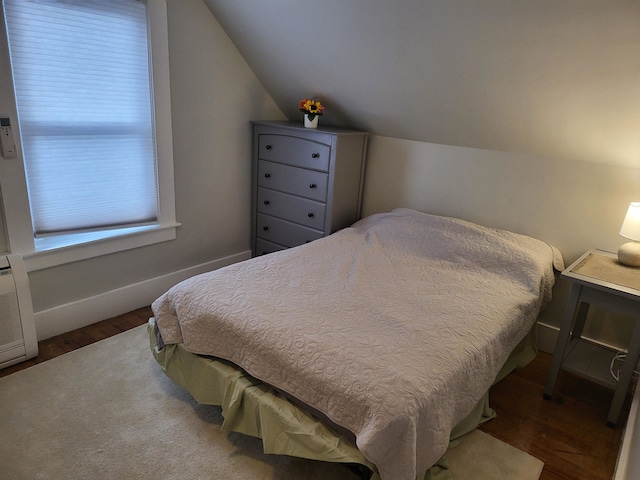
629	254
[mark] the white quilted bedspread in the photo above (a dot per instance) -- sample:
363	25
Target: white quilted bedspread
393	328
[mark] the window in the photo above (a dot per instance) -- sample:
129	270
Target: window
89	121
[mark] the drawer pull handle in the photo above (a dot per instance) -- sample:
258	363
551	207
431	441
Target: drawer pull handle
313	185
267	175
266	202
268	147
265	228
310	215
315	155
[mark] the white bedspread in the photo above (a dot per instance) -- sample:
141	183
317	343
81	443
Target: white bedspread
393	328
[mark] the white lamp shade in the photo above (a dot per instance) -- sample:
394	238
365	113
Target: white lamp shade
631	226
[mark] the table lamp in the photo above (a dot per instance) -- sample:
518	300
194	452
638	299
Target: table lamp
629	253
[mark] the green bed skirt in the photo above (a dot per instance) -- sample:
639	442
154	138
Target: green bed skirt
251	407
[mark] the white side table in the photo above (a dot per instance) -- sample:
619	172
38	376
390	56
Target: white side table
597	278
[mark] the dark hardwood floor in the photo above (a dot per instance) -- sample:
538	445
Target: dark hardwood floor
569	433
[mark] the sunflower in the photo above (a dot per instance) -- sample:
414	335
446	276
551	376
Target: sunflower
310	107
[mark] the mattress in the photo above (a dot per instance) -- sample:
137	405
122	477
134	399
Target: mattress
254	408
393	329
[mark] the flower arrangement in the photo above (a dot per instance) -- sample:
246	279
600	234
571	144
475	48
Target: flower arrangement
310	107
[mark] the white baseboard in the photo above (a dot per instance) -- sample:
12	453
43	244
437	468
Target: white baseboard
547	336
78	314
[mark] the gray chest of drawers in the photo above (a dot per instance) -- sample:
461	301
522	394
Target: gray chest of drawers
307	183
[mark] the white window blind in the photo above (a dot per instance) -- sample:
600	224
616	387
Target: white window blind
81	74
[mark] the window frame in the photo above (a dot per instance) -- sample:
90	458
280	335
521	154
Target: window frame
73	247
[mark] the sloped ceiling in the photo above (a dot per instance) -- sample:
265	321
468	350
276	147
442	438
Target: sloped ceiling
551	77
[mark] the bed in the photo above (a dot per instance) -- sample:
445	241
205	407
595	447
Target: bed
373	346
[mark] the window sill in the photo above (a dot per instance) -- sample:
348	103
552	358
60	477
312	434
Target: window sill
52	251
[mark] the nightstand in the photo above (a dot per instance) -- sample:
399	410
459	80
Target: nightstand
597	278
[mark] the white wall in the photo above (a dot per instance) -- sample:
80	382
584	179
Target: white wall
551	77
574	206
214	96
545	94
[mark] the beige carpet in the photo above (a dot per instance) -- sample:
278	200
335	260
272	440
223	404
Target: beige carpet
107	411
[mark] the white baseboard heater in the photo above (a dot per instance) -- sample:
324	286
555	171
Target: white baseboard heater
18	341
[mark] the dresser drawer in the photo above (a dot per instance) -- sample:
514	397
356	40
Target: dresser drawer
294	180
263	247
289	207
307	183
298	152
283	232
